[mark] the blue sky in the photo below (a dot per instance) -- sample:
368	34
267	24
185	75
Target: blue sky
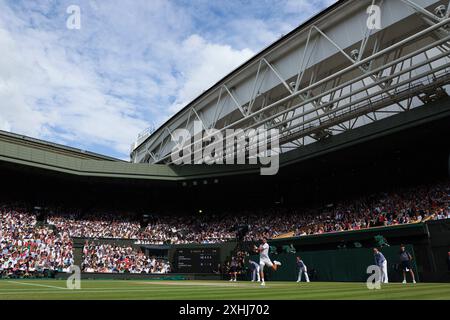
132	65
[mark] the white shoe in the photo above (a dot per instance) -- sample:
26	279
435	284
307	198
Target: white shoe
263	283
253	280
404	281
278	263
414	281
298	281
259	280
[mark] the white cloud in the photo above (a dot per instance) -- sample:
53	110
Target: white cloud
131	65
43	94
202	64
306	7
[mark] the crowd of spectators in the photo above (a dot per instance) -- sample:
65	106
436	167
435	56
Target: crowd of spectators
183	229
27	249
410	205
385	209
175	229
96	226
112	258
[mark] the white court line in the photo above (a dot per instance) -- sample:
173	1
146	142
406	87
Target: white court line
156	292
37	285
207	284
92	289
118	290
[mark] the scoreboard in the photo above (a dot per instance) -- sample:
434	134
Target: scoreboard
195	260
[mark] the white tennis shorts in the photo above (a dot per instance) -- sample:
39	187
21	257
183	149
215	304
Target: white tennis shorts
265	262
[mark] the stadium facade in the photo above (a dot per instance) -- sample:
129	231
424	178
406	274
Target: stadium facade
351	65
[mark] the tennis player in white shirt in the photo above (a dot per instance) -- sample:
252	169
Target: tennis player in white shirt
264	259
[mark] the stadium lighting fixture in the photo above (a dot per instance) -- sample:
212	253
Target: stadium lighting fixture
354	54
322	134
440	11
292	85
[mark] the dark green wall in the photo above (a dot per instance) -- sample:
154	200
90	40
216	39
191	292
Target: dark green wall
225	249
337	265
427	242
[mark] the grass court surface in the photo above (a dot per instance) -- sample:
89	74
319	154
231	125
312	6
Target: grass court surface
220	290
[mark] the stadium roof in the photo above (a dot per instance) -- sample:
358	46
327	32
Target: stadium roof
298	29
27	152
332	74
18	139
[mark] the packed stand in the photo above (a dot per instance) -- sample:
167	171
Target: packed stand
29	250
111	258
96	226
385	209
190	229
162	229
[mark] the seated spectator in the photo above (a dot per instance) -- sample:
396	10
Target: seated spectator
109	258
26	249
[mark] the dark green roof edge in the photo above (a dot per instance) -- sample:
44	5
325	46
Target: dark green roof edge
51	146
51	159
